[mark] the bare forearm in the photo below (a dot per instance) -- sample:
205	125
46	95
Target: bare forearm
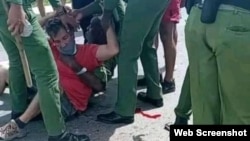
112	43
88	78
92	81
105	52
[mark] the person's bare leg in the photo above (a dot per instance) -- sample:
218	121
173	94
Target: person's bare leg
3	78
32	111
41	7
168	35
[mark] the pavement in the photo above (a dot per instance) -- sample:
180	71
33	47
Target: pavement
143	129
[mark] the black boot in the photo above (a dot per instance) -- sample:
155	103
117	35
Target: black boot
155	102
168	86
69	137
114	118
180	121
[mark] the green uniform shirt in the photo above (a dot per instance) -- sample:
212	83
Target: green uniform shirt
111	4
54	3
119	8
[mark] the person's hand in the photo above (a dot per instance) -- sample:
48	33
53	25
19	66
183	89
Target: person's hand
106	20
77	14
64	13
16	19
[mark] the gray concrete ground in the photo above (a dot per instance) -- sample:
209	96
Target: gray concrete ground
143	129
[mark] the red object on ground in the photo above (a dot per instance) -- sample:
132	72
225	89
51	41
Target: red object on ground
139	111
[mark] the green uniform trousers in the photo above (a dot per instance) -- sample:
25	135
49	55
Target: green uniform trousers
41	65
184	108
140	25
219	66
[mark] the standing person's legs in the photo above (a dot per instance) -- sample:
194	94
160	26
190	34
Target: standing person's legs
150	66
131	49
41	7
134	32
229	37
183	109
168	34
17	84
204	85
45	73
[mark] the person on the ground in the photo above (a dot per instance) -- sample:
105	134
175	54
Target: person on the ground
34	42
77	84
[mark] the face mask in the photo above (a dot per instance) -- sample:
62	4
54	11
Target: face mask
69	49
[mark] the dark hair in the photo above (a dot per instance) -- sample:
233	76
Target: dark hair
54	25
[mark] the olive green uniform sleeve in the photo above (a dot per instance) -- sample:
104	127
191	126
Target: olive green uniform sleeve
110	4
15	1
55	3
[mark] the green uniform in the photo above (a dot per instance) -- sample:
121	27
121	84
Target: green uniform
96	7
140	25
41	65
184	107
219	66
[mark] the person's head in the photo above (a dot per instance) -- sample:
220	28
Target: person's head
95	33
63	40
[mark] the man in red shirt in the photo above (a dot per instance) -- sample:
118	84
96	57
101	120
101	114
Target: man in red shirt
83	69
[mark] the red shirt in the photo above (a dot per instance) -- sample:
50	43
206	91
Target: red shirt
77	92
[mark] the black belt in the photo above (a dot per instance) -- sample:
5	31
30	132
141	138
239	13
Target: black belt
245	4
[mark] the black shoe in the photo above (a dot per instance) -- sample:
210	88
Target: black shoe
114	118
180	121
168	87
69	137
142	82
155	102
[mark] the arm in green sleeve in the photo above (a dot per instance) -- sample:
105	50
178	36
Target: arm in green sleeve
20	2
55	3
110	4
92	8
